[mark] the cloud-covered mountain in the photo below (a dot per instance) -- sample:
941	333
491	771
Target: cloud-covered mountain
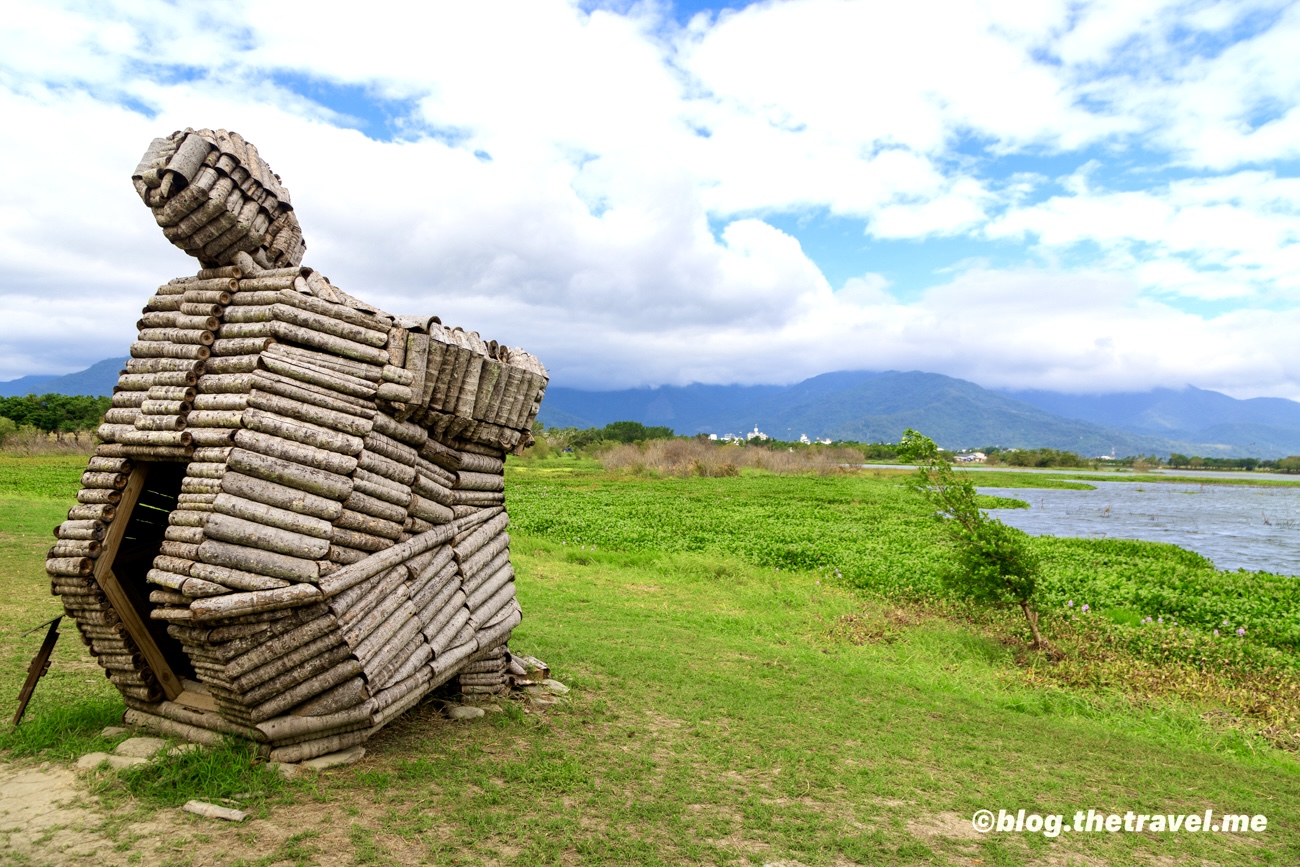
96	380
877	407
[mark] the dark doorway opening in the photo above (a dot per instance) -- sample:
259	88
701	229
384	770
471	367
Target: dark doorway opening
156	488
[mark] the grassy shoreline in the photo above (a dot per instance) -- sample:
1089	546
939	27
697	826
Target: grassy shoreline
734	701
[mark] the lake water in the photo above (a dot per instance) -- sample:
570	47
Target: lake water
1236	526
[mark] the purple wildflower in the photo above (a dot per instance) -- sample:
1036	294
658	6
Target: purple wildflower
1241	630
1084	609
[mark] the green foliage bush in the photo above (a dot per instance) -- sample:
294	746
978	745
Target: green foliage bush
55	413
992	563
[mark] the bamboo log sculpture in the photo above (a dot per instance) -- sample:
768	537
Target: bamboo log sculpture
294	528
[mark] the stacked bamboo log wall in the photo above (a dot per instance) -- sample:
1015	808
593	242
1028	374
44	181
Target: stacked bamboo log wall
330	543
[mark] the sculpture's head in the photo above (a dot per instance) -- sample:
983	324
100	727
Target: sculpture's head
215	198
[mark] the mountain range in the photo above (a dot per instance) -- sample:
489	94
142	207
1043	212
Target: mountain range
879	406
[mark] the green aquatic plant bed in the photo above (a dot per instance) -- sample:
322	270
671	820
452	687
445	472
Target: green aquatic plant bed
869	531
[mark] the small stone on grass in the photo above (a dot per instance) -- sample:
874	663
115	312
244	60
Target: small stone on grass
214	811
90	761
112	731
288	770
336	760
555	687
464	711
142	748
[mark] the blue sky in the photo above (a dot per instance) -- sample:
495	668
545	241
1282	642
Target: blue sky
1083	196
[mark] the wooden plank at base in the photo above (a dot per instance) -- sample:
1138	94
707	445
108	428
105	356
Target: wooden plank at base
117	597
195	695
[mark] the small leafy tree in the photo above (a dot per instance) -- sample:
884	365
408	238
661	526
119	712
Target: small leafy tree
992	562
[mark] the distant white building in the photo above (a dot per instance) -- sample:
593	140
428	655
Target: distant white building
713	437
803	438
756	434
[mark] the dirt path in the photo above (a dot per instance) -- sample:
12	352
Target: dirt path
47	817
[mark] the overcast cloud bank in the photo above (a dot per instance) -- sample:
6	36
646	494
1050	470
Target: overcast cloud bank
1084	197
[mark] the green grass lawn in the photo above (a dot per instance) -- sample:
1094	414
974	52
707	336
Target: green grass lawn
733	701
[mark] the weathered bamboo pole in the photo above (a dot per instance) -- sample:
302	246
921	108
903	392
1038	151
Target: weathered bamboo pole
305	670
377	486
415	525
305	750
357	539
436	596
295	452
398	631
212	437
289	389
278	730
257	561
341	555
356	573
390	448
448	661
355	629
90	496
477	498
230	364
146	381
335	381
348	694
480	598
367	371
227	528
481	536
271	516
474	564
309	688
448	621
356	602
329	343
440	455
373	506
344	422
396	653
75	548
220	401
429	510
246	668
302	432
357	318
319	482
364	523
332	324
481	463
498	632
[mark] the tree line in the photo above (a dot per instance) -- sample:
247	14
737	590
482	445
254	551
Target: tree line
53	413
